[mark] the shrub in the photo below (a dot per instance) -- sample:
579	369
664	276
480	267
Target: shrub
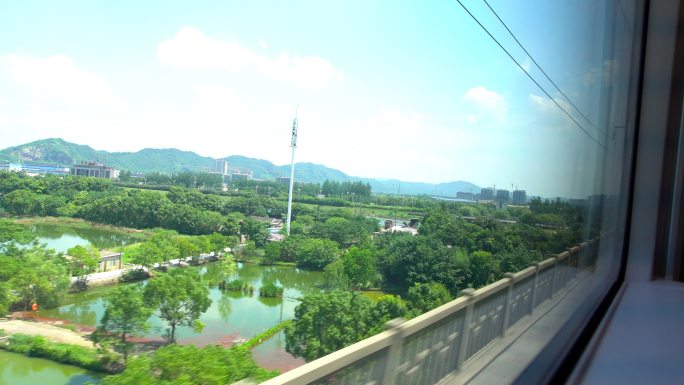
65	353
271	290
236	285
134	275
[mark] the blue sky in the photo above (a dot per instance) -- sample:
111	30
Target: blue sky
386	89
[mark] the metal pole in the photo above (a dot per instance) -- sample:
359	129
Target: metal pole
293	144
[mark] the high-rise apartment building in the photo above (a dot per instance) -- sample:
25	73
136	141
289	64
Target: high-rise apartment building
503	196
519	197
487	194
221	166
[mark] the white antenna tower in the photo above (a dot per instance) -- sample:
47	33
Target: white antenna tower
293	144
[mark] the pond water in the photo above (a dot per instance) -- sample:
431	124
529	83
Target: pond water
232	315
63	237
18	369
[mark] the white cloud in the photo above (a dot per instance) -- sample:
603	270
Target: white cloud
527	64
549	106
391	121
220	109
4	119
603	74
263	44
389	142
308	71
55	78
191	49
487	104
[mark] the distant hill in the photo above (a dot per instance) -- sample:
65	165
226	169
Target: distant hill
60	152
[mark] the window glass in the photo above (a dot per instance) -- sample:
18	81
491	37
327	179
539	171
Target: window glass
461	176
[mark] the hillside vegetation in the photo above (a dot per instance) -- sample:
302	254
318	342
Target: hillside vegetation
170	160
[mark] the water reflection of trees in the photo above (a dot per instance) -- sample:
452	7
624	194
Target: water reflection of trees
99	238
80	313
225	306
291	278
286	276
20	368
270	302
250	273
80	379
213	273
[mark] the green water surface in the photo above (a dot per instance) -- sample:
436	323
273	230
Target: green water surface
231	316
17	369
61	237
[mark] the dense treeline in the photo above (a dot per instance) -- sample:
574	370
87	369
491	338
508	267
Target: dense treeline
188	179
449	254
211	181
337	189
456	246
98	200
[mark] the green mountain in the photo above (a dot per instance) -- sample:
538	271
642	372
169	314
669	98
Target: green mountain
60	152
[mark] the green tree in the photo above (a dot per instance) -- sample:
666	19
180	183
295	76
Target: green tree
22	202
125	314
37	276
12	232
256	231
406	260
355	269
5	298
166	243
289	248
271	253
483	268
190	365
316	253
83	260
442	225
327	322
360	267
146	255
180	297
218	243
248	252
386	309
18	252
423	297
187	248
335	276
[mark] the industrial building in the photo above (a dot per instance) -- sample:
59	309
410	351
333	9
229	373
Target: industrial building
94	169
241	175
464	195
35	169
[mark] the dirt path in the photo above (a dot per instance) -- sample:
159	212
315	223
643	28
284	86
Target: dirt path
53	333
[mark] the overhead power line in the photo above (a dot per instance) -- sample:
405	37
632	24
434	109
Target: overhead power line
532	78
541	69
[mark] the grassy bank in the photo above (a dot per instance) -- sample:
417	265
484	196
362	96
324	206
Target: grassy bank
78	223
256	340
36	346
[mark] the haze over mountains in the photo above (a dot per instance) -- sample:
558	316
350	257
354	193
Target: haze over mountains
59	151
